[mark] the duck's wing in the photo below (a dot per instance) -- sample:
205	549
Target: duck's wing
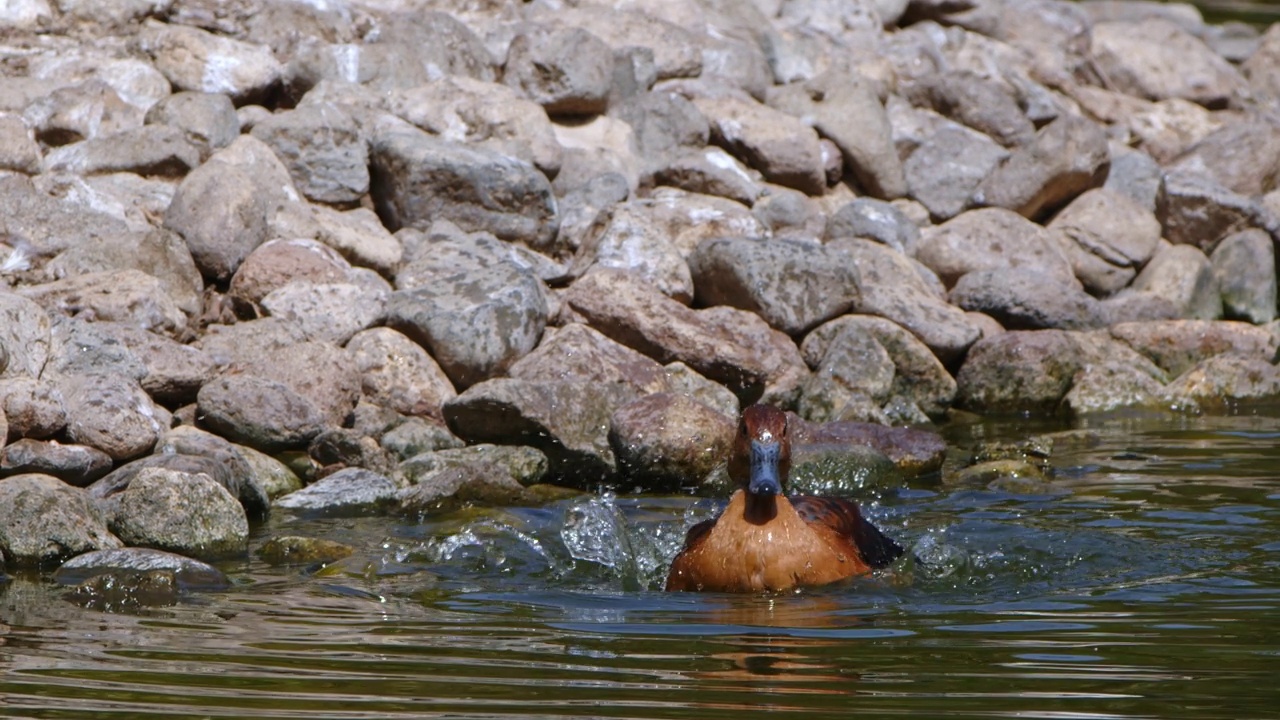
842	516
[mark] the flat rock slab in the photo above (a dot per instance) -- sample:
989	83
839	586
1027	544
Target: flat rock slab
191	574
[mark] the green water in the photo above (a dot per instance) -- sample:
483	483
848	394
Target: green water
1141	581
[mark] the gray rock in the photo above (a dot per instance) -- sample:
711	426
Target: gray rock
397	373
1184	276
518	465
346	492
568	421
328	311
184	513
578	352
1241	156
877	220
25	336
1195	210
1262	68
126	295
77	465
50	225
111	413
359	236
676	52
161	254
323	374
149	150
297	550
200	61
207	120
276	263
792	285
1018	371
1223	382
710	171
781	147
1110	235
787	213
44	520
990	239
982	104
324	150
85	110
969	157
173	372
1065	158
1130	306
665	441
1105	387
1177	345
852	376
684	381
249	341
194	452
222	214
1136	174
1156	59
568	71
190	574
416	435
33	407
472	305
418	179
1027	299
1244	268
258	412
18	148
665	125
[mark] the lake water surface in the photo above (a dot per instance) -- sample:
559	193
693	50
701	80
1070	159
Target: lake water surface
1141	581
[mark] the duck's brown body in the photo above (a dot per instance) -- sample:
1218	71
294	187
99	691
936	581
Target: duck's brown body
766	541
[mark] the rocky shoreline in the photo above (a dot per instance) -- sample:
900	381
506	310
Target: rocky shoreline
272	256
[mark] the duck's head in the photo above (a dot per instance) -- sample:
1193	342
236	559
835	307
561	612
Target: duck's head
761	457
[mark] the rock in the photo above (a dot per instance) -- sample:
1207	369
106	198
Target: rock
710	171
969	157
351	491
453	487
190	574
397	373
794	286
979	103
1244	269
358	235
418	435
199	61
18	149
684	381
173	371
25	335
79	112
149	150
913	451
578	352
123	295
665	125
1241	156
991	239
1026	299
1184	276
25	14
32	408
82	347
1224	382
1262	68
876	220
727	345
323	374
1197	211
852	376
567	71
1156	59
299	550
666	441
44	521
417	179
126	591
220	211
1135	174
324	150
206	120
1066	157
846	109
838	470
781	147
520	465
568	421
1100	388
472	304
194	452
184	513
676	52
258	412
1177	345
1018	371
1110	237
276	263
787	213
111	413
328	311
77	465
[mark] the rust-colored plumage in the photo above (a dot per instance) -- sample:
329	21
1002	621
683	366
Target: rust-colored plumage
765	540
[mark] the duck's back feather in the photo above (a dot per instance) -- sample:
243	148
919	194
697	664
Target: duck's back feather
843	517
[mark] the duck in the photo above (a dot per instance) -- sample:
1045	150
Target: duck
768	541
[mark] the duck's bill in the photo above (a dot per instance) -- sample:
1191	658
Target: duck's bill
764	468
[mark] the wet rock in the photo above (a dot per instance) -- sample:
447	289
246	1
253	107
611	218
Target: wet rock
415	436
1244	269
190	574
472	304
25	335
77	465
334	312
32	408
840	470
1029	370
1026	299
18	149
149	150
126	591
247	474
276	263
1176	345
206	120
258	412
991	239
521	464
300	550
397	373
44	520
1184	276
111	413
418	178
1157	59
846	109
1100	388
578	352
567	71
199	61
1195	210
1223	382
851	379
348	491
781	147
666	440
969	157
792	285
1066	157
915	452
876	220
1110	237
450	488
710	171
324	150
727	345
184	513
566	420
